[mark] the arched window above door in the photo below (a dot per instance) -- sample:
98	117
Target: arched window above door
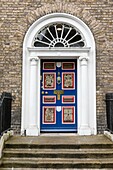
59	35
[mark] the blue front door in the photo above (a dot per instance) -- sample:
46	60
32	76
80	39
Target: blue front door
59	95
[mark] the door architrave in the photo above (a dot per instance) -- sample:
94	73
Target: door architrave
85	57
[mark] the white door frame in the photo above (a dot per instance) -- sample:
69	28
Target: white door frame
86	76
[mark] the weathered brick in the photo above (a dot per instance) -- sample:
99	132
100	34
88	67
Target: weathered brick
15	18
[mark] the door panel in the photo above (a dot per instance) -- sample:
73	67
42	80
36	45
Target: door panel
59	95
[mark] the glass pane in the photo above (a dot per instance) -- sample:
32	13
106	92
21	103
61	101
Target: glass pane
71	34
39	44
59	35
75	39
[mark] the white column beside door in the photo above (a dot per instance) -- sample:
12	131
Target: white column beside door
32	116
84	118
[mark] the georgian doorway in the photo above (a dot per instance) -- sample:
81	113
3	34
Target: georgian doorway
53	41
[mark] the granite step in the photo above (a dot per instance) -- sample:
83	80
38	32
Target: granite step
60	146
57	163
60	142
59	153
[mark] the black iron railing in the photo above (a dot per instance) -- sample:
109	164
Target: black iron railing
109	111
5	111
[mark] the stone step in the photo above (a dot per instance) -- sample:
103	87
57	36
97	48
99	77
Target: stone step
57	163
60	146
65	152
60	142
59	153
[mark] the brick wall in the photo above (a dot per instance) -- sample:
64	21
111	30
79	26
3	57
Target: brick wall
16	16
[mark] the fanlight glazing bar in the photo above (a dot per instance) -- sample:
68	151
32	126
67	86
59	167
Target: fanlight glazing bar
59	35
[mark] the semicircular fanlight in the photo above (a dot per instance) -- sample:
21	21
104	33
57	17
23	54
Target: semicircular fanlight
59	35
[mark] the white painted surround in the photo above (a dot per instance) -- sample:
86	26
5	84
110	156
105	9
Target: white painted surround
86	75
